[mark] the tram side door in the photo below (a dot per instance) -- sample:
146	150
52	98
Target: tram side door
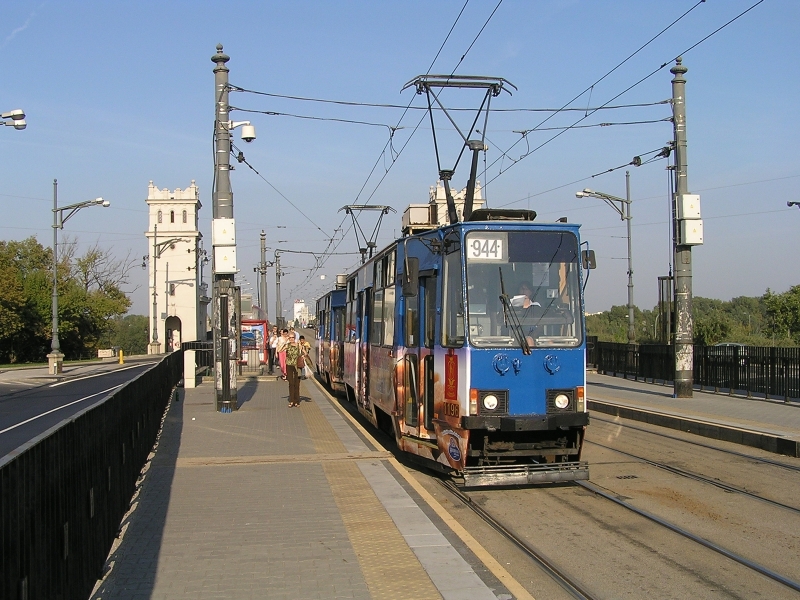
427	338
365	300
420	320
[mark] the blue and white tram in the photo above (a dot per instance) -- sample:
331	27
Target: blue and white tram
467	343
330	338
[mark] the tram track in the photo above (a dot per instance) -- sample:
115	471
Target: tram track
759	459
554	567
698	477
567	583
575	588
769	573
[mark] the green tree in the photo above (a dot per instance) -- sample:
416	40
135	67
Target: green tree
751	321
130	334
90	296
784	312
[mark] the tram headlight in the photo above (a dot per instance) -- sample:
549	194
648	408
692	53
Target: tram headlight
490	402
561	401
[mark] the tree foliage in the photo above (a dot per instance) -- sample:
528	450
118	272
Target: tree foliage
772	319
89	298
130	334
784	310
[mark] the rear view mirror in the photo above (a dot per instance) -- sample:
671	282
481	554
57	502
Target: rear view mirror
589	262
411	277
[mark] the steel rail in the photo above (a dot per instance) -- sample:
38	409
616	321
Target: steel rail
567	583
695	538
702	445
698	477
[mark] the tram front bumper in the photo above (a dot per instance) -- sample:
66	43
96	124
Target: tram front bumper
549	422
498	475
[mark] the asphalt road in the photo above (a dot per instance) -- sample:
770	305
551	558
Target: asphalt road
31	402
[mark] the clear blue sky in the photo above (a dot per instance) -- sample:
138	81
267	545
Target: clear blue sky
121	93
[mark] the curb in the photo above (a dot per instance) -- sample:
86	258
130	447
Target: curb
755	439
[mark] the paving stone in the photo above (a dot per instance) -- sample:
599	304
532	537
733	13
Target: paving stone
266	502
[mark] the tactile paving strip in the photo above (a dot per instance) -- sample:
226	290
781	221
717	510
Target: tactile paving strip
390	568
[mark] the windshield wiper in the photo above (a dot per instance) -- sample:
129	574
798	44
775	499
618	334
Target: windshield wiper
511	317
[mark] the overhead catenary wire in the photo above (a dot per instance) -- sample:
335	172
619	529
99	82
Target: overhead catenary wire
388	143
646	77
234	88
662	154
463	56
273	113
241	159
395	158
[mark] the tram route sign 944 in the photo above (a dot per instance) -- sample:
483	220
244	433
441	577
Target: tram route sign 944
488	247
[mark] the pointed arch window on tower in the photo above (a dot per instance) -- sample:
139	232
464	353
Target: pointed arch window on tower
172	216
160	216
184	216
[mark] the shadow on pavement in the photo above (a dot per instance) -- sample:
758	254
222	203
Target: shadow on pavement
246	392
132	565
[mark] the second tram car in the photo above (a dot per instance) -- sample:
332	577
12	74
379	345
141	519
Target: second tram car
467	343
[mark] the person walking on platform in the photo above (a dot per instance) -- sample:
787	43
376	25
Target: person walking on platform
280	349
272	344
305	350
294	362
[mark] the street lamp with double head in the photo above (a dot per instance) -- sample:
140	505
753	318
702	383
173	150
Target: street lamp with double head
61	215
623	207
14	118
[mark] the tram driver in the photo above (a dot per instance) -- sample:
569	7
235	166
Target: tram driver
524	306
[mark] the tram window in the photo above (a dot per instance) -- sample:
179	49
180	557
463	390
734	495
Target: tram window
390	268
411	387
378	273
411	322
376	335
351	321
430	311
452	303
338	324
540	273
388	316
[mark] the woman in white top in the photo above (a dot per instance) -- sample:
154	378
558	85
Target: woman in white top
280	348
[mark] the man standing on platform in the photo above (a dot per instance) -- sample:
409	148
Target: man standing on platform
272	346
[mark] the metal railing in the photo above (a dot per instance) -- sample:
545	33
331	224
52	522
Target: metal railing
203	355
768	372
64	493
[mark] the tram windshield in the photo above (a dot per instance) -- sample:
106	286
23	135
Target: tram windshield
539	272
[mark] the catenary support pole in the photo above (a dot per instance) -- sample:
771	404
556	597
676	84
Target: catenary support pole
222	199
684	327
631	322
278	307
263	274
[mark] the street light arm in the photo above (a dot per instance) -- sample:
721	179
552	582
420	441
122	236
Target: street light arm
161	246
71	209
608	199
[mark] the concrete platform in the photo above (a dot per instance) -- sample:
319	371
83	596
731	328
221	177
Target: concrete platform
771	425
279	502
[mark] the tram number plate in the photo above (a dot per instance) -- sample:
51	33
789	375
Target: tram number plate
450	409
486	248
